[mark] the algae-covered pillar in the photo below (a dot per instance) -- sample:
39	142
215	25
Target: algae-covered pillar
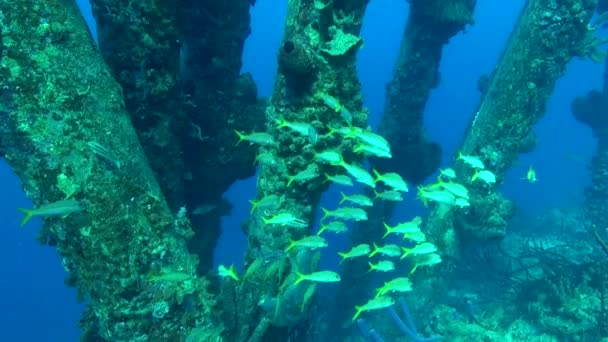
316	77
592	110
548	35
139	42
212	36
430	26
65	132
183	88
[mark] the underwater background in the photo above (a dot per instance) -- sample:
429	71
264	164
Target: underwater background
38	306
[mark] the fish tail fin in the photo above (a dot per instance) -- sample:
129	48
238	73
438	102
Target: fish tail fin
28	216
342	256
377	174
420	191
301	278
375	251
282	123
351	133
292	244
254	206
420	195
233	273
388	230
344	197
241	137
359	310
325	214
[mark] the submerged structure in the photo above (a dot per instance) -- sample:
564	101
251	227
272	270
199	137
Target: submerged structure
592	110
127	147
66	133
514	101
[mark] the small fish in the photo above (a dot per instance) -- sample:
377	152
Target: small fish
390	250
54	209
357	199
423	248
307	296
204	209
264	158
417	237
331	157
389	195
330	101
344	131
392	180
227	272
104	153
339	179
312	171
355	252
401	284
169	276
301	128
411	226
359	174
484	175
310	242
298	224
382	266
313	135
253	268
264	202
441	196
454	188
377	303
260	138
371	139
334	226
319	277
345	213
373	151
531	175
473	161
282	219
462	202
448	173
426	260
346	115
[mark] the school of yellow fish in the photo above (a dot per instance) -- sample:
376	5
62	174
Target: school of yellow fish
382	258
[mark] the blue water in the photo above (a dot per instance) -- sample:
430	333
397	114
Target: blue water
38	307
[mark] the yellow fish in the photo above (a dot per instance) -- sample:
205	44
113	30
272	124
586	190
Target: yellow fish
530	175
